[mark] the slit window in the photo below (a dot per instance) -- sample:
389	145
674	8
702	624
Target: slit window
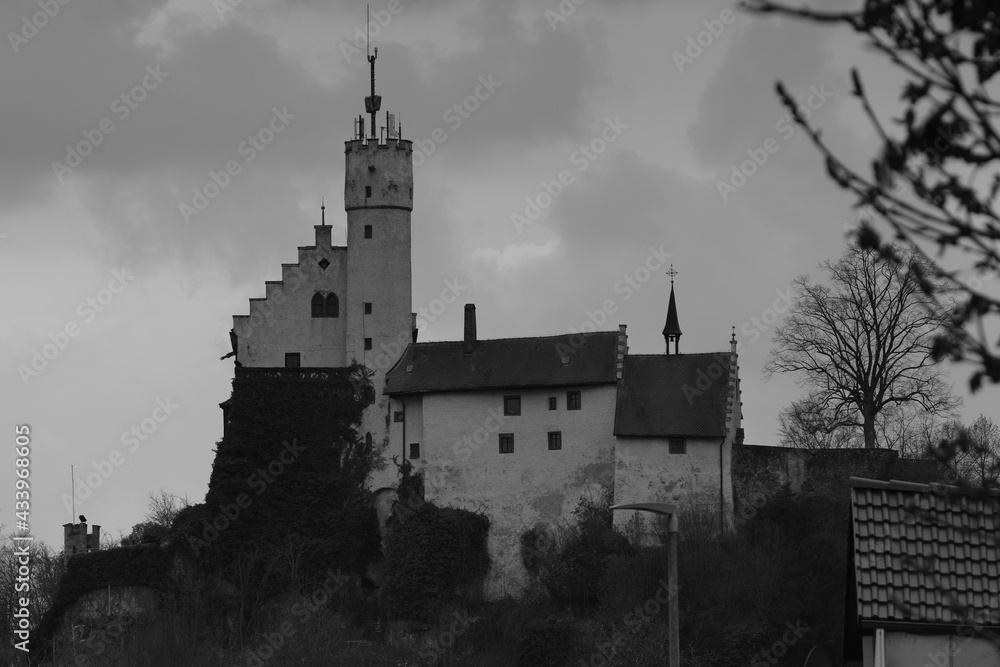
368	191
368	231
368	308
414	450
368	343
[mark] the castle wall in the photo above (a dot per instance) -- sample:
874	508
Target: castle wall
463	467
282	321
697	480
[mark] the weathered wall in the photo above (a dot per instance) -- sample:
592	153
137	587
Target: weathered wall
759	472
463	467
646	471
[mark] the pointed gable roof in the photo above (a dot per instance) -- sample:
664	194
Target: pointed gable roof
673	395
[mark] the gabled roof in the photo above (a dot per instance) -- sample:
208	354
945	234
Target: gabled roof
924	554
679	394
505	363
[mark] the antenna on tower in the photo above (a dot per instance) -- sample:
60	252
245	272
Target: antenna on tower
374	102
323	214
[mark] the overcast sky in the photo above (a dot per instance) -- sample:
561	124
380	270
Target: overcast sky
115	112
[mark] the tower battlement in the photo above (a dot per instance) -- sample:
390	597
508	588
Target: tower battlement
76	540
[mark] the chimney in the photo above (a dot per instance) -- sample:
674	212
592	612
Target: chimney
470	328
323	239
621	351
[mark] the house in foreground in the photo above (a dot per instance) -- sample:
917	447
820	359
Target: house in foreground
923	583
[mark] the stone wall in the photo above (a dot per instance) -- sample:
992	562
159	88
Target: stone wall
759	472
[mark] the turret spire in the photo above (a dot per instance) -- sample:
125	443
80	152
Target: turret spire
672	329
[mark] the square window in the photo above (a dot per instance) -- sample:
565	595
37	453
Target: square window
293	360
572	400
555	440
414	450
506	443
397	416
368	191
368	231
552	403
368	308
512	405
368	343
678	446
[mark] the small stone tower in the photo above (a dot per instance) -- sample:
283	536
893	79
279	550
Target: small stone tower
76	540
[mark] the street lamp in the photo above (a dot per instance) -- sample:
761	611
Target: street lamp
672	528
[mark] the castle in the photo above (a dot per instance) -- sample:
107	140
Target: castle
520	428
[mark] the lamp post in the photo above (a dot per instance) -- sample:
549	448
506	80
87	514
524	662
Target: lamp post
672	528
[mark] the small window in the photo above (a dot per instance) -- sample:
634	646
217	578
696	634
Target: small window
678	446
368	439
397	416
555	440
332	308
368	231
368	308
414	450
293	360
317	305
552	403
572	400
506	443
368	343
512	405
368	191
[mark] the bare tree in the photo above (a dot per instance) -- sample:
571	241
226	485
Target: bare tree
978	462
863	343
936	180
161	511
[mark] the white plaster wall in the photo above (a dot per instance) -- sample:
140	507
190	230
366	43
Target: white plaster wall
646	471
911	650
464	468
282	321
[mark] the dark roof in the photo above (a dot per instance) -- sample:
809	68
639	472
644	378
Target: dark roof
505	362
679	394
672	327
919	549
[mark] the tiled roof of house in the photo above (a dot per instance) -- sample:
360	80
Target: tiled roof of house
924	553
505	362
681	395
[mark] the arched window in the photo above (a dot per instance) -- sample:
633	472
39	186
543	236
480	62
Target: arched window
328	306
332	305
